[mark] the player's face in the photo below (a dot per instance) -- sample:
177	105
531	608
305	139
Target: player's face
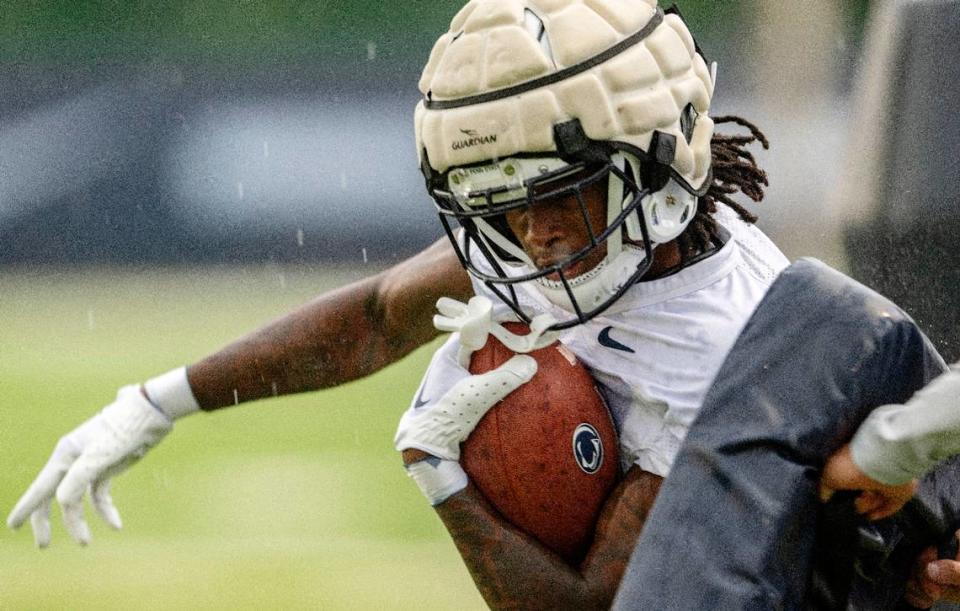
554	228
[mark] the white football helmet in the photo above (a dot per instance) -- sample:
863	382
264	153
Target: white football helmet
521	93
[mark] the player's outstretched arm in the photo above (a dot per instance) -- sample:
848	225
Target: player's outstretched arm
340	336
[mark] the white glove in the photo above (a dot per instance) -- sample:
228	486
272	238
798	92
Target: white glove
474	322
439	424
447	407
90	455
451	401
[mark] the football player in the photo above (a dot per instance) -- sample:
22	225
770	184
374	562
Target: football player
571	153
572	158
573	144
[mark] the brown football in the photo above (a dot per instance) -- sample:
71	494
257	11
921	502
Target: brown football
546	455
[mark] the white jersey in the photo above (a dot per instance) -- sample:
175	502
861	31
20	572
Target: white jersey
656	351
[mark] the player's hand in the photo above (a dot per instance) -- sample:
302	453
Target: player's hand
933	580
474	321
451	401
448	406
85	459
877	500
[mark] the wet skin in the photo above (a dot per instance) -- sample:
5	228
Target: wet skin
552	229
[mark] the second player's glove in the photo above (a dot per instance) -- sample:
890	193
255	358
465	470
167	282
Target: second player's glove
86	458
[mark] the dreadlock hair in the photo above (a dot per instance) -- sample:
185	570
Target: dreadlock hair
734	169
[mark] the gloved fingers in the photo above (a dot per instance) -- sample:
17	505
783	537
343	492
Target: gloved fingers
40	524
539	330
489	388
521	368
440	428
451	308
41	490
90	467
77	481
445	323
475	326
472	320
74	522
464	356
480	307
471	398
103	503
537	338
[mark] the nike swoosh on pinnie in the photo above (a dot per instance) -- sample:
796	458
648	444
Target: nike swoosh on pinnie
608	342
420	401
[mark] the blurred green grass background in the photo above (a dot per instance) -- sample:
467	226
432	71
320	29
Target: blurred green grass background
293	503
254	32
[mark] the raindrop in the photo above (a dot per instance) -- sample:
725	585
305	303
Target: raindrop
283	280
364	250
240	190
236	397
273	388
266	149
356	429
371	51
299	237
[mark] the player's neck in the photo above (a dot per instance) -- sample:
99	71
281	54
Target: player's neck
668	260
665	258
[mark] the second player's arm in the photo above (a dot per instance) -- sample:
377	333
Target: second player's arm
340	336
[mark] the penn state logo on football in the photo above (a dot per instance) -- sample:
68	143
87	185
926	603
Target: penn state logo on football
587	448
